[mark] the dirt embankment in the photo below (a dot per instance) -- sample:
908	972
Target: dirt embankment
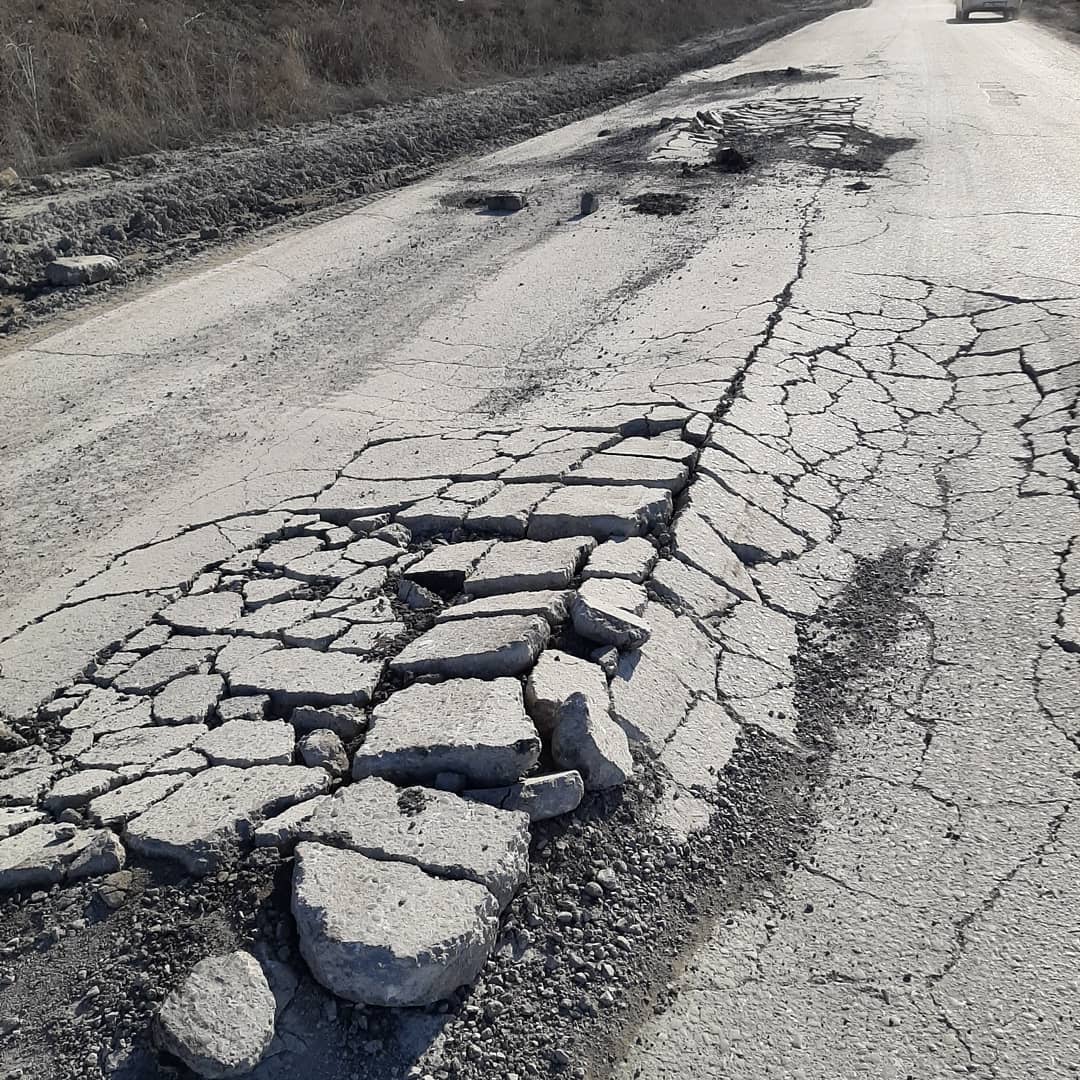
153	208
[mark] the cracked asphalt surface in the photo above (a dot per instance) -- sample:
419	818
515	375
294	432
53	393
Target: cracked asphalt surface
890	355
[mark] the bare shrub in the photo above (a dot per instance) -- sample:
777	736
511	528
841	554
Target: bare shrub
84	81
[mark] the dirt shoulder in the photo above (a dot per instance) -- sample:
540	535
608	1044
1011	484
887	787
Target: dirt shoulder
151	210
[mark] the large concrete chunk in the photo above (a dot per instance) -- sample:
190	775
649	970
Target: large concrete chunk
102	711
507	512
441	833
445	568
601	511
120	806
553	604
468	726
45	855
155	669
79	788
207	613
349	498
347	721
306	677
387	933
249	742
526	565
604	611
588	740
81	270
283	830
206	822
189	699
658	449
556	677
617	470
220	1020
687	589
139	746
480	648
630	558
541	797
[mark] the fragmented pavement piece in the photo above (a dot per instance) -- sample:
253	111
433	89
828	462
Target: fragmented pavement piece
662	449
283	830
26	788
616	469
205	822
507	512
469	726
443	834
699	545
249	742
600	511
305	677
315	633
653	685
753	534
120	806
264	591
556	676
630	558
278	556
599	616
553	604
207	613
475	648
240	651
687	589
245	707
347	721
445	568
272	619
370	551
14	819
78	788
104	710
700	749
81	270
588	740
541	797
365	639
139	746
430	516
527	565
49	854
433	937
350	498
155	669
220	1020
189	699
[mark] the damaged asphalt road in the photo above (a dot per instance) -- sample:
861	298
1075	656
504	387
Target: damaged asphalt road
849	845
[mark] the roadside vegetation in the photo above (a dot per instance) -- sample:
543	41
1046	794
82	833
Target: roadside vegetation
90	81
1063	14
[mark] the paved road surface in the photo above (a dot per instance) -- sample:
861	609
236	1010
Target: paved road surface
905	347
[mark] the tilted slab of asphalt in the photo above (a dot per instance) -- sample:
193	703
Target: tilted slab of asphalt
890	360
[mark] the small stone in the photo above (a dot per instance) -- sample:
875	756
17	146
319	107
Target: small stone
322	749
506	201
220	1020
115	889
590	203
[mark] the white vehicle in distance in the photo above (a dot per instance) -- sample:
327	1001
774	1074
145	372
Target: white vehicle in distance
1007	9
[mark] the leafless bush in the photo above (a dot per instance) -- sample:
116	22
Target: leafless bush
84	81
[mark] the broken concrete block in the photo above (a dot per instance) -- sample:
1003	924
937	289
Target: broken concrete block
630	558
346	721
556	677
506	201
699	545
662	449
600	511
190	699
322	749
207	613
599	614
82	270
283	830
587	740
618	469
245	707
139	746
541	797
507	512
444	569
249	742
433	938
206	822
120	806
553	604
294	677
44	855
468	726
220	1020
475	648
443	834
79	788
527	565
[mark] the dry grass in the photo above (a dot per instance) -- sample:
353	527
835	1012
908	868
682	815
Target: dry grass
85	81
1063	14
